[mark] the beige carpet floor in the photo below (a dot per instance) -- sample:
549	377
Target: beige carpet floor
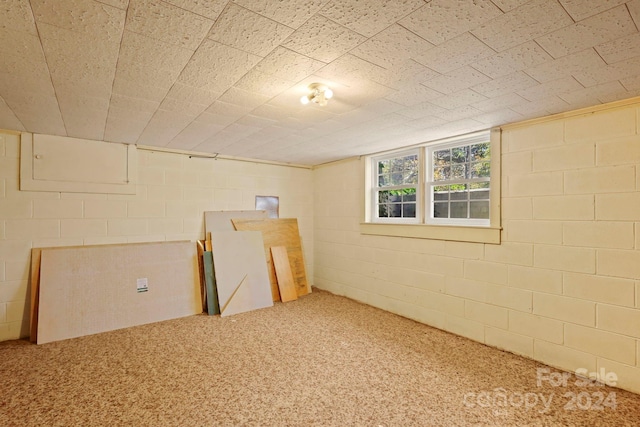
322	360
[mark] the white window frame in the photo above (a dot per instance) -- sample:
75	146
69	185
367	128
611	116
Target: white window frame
428	165
463	231
375	188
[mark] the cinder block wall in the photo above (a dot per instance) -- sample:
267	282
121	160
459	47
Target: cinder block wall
173	192
562	288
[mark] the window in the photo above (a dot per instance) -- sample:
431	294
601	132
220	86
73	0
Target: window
458	182
396	186
447	189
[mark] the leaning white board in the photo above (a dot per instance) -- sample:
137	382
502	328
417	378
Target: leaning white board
92	289
215	221
241	273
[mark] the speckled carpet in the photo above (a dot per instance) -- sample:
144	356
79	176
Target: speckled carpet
322	360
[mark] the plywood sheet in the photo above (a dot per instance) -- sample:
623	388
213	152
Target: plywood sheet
221	220
34	283
241	274
279	232
92	289
286	284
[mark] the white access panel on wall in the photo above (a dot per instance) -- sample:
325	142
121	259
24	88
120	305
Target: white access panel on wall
58	163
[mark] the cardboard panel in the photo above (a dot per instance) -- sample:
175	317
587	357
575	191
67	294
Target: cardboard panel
280	232
92	289
241	274
286	284
203	283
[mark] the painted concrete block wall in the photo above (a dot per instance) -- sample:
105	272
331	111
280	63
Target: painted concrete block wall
562	288
172	193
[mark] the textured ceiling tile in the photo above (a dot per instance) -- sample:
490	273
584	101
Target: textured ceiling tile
162	21
243	98
138	89
598	29
216	119
426	122
123	129
441	20
547	106
369	17
526	22
288	64
149	53
499	117
8	119
122	105
120	4
25	68
634	9
456	80
208	8
184	107
618	71
216	67
163	127
391	47
246	30
631	83
458	99
322	39
146	76
422	110
505	84
565	66
581	9
350	69
620	49
463	112
591	95
511	60
185	93
507	5
219	108
81	16
257	122
35	81
84	117
38	113
19	43
413	95
193	135
17	15
499	102
86	60
292	13
265	84
405	75
455	53
550	88
269	112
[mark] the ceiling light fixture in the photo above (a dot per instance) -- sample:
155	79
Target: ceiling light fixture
318	93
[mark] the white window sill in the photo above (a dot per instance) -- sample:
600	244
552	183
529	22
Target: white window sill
437	232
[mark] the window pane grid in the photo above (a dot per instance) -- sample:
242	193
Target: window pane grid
396	186
459	181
